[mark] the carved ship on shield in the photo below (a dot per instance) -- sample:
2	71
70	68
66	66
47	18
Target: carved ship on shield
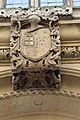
35	53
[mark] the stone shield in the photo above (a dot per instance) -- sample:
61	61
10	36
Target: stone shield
35	44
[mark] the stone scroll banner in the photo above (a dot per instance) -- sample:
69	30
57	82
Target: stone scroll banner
35	48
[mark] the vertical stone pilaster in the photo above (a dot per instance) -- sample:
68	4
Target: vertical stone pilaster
2	3
34	3
68	2
64	2
29	3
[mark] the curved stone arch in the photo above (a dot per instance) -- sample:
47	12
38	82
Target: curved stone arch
20	105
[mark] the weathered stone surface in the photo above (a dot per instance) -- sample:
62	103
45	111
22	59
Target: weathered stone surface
52	104
18	105
35	50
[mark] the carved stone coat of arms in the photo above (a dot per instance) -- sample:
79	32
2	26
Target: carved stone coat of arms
35	52
36	43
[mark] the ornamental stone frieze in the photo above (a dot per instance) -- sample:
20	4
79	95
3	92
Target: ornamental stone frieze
71	52
4	54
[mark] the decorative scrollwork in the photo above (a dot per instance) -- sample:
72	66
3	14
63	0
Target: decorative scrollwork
4	54
46	11
35	48
70	52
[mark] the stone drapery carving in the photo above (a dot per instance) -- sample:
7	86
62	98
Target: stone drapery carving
35	49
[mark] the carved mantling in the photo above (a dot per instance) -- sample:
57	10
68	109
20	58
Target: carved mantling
35	49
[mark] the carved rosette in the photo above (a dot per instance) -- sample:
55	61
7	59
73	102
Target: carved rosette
35	50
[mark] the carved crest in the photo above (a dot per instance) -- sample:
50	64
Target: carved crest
35	44
35	50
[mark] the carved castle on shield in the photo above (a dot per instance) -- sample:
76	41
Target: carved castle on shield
35	52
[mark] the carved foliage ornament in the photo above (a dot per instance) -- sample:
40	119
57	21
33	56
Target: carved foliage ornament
35	50
71	52
4	54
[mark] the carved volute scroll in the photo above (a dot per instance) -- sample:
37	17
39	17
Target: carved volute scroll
35	50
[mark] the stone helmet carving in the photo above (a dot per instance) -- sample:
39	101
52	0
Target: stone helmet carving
34	18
